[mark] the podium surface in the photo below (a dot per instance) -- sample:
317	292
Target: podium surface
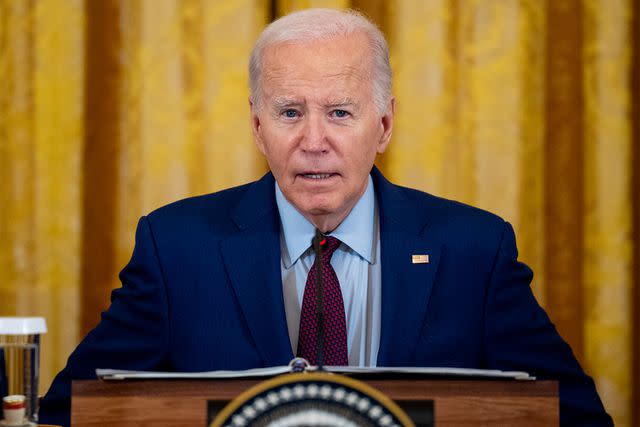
185	402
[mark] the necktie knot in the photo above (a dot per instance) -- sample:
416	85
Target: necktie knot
328	245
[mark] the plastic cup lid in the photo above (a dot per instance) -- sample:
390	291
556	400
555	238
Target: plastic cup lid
22	325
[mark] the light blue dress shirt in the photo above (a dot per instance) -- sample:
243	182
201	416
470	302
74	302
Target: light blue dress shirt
357	265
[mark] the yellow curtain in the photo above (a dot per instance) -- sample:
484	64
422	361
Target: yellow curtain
41	170
528	108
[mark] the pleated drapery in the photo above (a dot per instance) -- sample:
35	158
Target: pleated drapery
527	108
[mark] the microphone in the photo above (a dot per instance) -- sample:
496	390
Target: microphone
318	241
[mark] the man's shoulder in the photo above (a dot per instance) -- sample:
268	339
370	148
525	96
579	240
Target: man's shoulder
454	209
439	211
220	210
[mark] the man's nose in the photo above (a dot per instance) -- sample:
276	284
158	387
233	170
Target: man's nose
314	135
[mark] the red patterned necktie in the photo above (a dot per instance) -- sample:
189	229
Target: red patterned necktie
335	327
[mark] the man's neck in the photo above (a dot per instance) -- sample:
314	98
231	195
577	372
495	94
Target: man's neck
327	223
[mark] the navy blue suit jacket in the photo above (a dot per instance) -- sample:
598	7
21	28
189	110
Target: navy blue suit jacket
203	291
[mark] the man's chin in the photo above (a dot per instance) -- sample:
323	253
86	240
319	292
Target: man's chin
325	217
318	211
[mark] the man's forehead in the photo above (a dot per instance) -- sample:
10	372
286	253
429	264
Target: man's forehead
316	68
332	84
289	76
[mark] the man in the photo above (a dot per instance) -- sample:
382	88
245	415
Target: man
220	281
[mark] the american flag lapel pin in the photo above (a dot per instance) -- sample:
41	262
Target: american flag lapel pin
420	259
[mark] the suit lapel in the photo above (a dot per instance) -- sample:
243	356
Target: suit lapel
406	287
252	261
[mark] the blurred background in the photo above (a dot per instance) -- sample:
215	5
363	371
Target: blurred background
527	108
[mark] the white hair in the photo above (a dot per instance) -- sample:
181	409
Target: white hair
318	24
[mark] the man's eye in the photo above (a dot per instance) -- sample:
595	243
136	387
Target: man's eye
290	113
340	113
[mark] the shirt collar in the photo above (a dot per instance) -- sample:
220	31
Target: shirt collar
355	231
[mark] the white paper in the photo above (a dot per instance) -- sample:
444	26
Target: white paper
115	374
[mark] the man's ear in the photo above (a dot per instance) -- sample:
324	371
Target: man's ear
386	122
256	127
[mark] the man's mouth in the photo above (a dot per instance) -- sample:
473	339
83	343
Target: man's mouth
317	175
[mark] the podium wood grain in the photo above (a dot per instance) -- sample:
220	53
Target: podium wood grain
175	403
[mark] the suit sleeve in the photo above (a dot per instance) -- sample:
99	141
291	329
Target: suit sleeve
520	336
132	334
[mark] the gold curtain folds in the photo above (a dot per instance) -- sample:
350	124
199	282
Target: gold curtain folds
528	108
41	168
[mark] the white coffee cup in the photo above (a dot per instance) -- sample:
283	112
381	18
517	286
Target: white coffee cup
13	407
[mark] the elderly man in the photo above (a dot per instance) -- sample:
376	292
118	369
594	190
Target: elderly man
224	281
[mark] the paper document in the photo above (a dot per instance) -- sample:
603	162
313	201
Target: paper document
115	374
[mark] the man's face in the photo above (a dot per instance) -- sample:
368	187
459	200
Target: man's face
318	126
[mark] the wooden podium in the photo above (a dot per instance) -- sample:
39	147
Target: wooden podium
171	403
